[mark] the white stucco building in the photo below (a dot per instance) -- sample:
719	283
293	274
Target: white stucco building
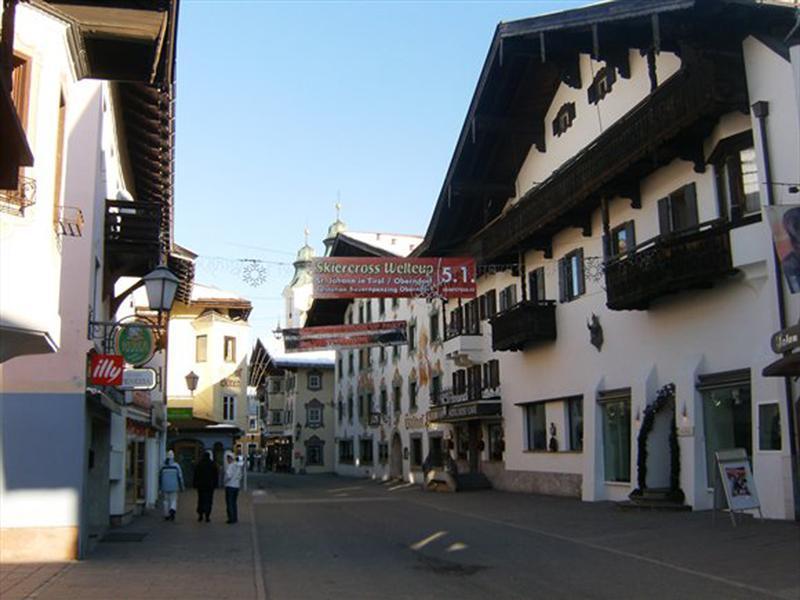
613	201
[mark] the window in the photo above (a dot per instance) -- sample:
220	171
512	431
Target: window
727	420
369	311
508	297
491	374
382	306
383	452
622	239
314	415
412	395
601	84
341	372
384	402
575	423
536	426
315	381
368	407
252	423
395	303
491	303
201	348
459	382
736	173
382	355
20	87
678	211
436	389
412	336
368	354
365	451
340	409
230	349
564	118
434	325
396	398
616	424
571	277
395	353
350	362
416	451
228	408
436	451
350	408
456	326
346	451
275	417
360	406
496	442
315	454
536	285
474	382
769	426
471	318
360	313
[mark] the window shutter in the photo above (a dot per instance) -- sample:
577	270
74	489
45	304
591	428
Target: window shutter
690	195
581	276
482	306
592	94
664	221
611	76
492	305
512	295
630	235
540	292
571	111
562	280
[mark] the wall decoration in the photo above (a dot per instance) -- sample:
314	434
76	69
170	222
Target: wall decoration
595	332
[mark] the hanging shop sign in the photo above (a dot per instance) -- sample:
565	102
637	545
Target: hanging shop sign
362	335
784	221
106	369
375	277
786	339
138	379
136	343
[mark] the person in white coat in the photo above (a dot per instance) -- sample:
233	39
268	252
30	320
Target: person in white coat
234	474
170	481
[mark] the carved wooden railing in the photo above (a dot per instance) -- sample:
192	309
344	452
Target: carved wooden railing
524	324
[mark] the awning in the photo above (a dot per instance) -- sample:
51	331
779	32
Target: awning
787	366
465	411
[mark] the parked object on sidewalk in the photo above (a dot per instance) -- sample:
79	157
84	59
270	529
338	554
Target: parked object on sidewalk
170	482
234	475
206	476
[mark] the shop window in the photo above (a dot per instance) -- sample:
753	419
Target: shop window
315	452
201	348
416	451
622	239
229	350
365	451
678	211
395	303
616	424
564	119
436	452
346	451
383	452
536	285
536	426
769	426
575	423
462	442
727	416
496	442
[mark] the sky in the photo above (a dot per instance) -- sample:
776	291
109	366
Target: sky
285	107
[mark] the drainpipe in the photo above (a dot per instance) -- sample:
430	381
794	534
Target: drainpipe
761	112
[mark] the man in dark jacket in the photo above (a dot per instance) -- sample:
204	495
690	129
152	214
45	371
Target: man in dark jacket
206	477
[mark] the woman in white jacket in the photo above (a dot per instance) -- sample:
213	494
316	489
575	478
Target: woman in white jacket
234	474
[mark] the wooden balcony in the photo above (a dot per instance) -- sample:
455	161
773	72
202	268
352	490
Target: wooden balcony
689	259
133	237
523	325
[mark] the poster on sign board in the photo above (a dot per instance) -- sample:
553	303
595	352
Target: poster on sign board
737	479
362	335
381	277
784	222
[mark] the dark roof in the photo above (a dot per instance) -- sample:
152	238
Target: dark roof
200	424
526	62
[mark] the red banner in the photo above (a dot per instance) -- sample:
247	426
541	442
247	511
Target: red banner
106	369
336	277
387	333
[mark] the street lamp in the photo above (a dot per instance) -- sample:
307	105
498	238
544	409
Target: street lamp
191	381
160	285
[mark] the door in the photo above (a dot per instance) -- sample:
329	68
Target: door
474	446
187	455
396	459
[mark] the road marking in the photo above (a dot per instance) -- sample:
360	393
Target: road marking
258	569
457	546
431	538
264	500
579	542
346	489
401	486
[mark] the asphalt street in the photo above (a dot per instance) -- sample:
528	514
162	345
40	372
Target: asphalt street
333	537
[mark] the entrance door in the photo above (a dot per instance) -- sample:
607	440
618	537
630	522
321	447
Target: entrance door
474	447
396	459
187	455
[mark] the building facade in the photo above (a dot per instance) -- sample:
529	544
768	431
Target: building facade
627	289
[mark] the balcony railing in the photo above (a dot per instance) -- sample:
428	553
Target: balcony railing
523	325
16	201
69	221
463	345
667	264
133	236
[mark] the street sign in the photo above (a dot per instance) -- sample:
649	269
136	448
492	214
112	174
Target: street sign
786	339
138	379
106	369
135	342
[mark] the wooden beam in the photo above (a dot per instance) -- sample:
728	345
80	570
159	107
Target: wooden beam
466	186
543	245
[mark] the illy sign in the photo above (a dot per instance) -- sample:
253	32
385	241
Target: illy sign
106	369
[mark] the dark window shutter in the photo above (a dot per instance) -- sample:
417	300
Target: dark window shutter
581	277
592	94
512	295
571	112
562	280
492	302
664	220
611	76
482	306
540	291
630	235
690	196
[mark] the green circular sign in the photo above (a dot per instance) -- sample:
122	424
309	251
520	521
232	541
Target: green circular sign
136	343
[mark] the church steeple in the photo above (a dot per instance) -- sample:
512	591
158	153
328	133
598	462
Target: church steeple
337	227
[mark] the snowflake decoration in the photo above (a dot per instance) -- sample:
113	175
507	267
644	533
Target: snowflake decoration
254	273
594	269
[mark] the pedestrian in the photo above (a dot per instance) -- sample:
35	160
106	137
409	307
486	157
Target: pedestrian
233	481
171	482
206	477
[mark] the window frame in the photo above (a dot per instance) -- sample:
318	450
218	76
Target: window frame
629	229
669	210
567	280
229	342
198	346
226	409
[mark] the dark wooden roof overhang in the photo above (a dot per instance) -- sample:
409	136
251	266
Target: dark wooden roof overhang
526	62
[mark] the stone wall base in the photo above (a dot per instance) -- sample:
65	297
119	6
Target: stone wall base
533	482
38	544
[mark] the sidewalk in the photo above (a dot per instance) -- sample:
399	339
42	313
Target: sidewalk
179	560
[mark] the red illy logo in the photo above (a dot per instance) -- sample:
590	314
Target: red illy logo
106	369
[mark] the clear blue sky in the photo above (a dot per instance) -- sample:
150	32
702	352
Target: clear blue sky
282	104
